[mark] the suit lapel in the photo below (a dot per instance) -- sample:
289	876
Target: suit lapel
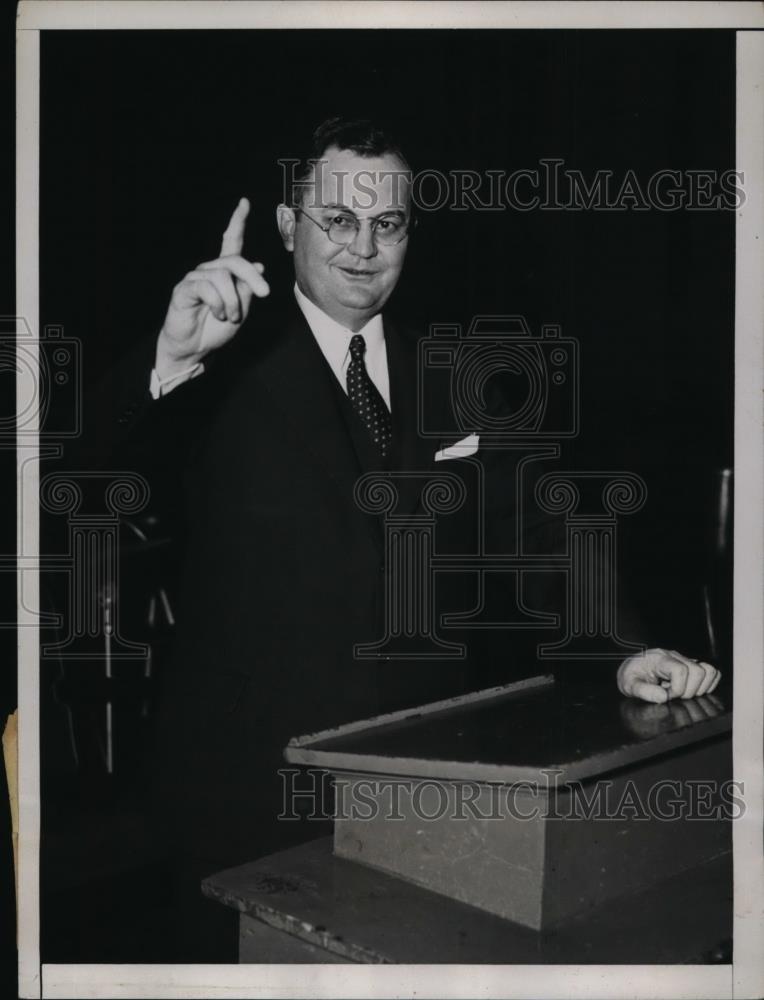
298	377
295	373
412	452
293	370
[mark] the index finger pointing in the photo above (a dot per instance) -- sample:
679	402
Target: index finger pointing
233	237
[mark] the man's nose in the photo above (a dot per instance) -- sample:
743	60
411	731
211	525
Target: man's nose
363	243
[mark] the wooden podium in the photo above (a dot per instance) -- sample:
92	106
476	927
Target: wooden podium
536	822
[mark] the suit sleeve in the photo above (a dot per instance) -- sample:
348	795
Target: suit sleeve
125	427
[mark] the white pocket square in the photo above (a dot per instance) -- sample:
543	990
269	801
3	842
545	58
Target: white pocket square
467	446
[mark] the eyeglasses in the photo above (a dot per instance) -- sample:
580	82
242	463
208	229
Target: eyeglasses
344	227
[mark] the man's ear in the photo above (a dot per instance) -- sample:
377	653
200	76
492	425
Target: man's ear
285	219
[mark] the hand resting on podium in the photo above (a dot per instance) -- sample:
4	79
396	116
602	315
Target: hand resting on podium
658	675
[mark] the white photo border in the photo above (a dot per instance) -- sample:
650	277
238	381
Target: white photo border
745	977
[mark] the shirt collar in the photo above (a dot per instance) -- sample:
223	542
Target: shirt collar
334	338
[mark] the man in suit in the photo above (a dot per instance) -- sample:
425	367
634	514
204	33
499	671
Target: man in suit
272	414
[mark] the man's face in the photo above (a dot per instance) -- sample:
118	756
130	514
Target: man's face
350	282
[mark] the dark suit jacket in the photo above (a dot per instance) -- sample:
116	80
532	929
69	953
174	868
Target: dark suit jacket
283	573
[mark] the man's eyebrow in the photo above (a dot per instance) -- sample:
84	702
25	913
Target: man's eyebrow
345	208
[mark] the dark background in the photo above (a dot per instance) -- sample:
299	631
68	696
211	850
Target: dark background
149	139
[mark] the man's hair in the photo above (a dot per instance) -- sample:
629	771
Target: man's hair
359	135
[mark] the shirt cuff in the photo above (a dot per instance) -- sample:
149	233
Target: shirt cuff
162	386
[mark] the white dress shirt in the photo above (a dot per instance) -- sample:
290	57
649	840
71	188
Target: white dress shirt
334	341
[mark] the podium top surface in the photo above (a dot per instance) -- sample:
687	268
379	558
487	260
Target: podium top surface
516	733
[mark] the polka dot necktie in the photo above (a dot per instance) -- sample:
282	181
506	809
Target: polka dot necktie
366	399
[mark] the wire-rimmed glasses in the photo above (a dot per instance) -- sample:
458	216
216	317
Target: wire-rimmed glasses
386	230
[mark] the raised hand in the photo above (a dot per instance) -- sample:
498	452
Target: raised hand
209	305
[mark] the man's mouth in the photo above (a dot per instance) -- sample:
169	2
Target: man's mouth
357	272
